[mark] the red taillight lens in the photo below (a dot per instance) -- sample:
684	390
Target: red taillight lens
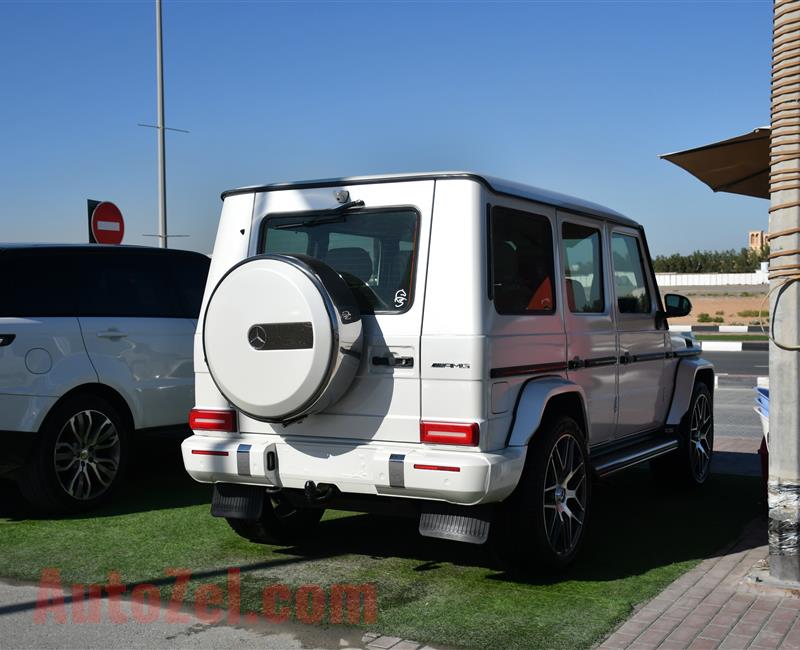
449	433
209	452
208	420
438	468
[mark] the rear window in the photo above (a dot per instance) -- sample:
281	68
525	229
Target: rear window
142	284
85	282
37	284
373	250
189	274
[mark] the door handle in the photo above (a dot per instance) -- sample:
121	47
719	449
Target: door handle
625	358
394	362
111	334
576	363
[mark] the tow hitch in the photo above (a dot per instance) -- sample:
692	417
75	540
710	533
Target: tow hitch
318	494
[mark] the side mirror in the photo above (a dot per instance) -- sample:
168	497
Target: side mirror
677	305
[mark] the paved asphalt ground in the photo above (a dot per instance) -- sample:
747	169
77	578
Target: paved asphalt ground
733	399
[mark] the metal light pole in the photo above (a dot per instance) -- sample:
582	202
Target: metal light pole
162	171
784	352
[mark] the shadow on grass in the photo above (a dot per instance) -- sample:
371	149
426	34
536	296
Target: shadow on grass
637	526
156	480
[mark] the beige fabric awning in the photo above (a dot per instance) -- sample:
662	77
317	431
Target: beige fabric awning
739	165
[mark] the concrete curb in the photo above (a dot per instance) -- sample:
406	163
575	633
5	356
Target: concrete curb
734	346
725	380
720	329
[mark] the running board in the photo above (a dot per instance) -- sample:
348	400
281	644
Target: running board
633	454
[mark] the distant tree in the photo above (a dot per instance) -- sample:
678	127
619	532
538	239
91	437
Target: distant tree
728	261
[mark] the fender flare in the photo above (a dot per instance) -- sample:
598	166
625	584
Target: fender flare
685	377
532	402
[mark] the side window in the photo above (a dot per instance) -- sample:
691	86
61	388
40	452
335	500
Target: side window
633	295
37	283
583	269
189	274
522	262
120	283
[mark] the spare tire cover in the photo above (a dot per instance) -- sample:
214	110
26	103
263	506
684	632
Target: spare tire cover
282	336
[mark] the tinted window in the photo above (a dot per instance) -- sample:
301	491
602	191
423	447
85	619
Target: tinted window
189	274
633	296
37	283
583	268
373	251
522	262
126	283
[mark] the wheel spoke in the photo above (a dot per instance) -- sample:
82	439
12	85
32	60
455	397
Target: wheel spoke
570	457
572	474
558	525
109	442
560	462
75	476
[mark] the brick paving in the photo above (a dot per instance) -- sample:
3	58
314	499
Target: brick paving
715	605
381	642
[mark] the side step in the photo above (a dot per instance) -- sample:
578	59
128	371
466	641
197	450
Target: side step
456	523
609	462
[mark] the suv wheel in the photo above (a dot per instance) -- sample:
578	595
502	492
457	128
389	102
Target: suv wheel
280	523
691	463
543	524
79	457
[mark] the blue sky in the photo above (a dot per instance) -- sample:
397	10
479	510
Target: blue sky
578	97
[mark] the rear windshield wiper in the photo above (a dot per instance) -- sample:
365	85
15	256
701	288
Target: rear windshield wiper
322	219
308	223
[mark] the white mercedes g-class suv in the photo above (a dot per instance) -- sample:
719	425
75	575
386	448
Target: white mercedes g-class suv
454	347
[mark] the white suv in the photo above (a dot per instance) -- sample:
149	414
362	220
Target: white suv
95	343
447	346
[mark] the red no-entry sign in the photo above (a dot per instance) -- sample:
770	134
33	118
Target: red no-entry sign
106	225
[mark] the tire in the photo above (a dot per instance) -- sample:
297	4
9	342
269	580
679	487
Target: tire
690	465
280	523
79	458
543	524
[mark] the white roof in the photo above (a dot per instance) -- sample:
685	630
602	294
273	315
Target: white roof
497	185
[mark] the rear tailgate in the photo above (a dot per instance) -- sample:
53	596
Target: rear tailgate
383	402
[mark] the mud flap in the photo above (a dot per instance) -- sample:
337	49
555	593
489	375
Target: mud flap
457	523
237	501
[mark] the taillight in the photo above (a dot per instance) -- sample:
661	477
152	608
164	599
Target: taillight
449	433
212	420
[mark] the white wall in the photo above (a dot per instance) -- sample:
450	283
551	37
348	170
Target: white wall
712	279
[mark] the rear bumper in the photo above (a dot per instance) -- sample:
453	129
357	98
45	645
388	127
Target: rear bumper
405	471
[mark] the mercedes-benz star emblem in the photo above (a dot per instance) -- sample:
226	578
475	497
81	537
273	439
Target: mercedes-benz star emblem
257	337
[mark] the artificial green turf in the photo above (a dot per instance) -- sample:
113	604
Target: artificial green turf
644	536
731	337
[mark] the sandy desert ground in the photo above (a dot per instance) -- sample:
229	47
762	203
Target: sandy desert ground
722	302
